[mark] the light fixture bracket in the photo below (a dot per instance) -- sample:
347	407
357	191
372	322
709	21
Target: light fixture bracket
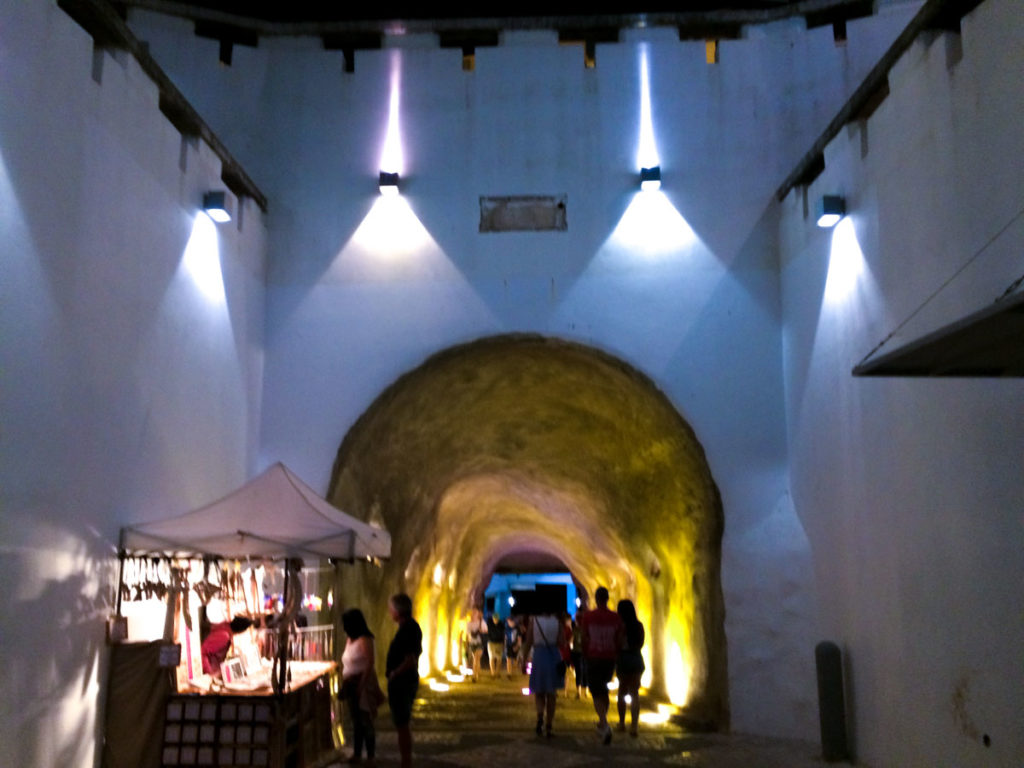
829	210
216	205
650	178
388	183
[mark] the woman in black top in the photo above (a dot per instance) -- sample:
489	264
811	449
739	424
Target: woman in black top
630	666
402	668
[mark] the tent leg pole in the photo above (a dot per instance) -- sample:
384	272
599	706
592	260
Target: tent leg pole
282	638
120	580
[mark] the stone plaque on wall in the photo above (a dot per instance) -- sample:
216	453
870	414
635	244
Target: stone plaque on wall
523	213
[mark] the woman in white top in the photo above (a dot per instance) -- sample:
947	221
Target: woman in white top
476	635
359	687
546	636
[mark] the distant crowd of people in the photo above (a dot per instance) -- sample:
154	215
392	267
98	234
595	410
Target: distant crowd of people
597	645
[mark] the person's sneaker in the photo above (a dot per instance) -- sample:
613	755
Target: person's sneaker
621	728
607	736
540	725
633	732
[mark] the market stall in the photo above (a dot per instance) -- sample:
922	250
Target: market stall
214	660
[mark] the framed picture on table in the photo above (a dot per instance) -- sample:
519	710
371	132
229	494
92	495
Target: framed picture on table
232	670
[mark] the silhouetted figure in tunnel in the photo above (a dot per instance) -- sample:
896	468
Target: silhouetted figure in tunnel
630	666
359	688
513	641
476	635
495	643
603	636
402	669
545	635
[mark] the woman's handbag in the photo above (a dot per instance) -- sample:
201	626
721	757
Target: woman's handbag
560	667
372	696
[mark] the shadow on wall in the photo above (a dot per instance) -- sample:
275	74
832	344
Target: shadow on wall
521	443
53	635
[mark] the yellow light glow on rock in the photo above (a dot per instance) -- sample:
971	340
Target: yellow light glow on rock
648	676
441	651
517	449
677	675
653	718
455	658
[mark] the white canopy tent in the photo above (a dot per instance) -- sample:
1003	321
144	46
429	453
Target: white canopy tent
274	515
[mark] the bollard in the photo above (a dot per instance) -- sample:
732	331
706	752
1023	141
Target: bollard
831	703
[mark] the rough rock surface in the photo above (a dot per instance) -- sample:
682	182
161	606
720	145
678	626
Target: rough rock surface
519	447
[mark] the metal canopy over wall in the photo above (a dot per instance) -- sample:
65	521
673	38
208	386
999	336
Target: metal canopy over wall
987	343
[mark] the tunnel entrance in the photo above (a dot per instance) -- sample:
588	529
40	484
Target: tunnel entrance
527	594
516	448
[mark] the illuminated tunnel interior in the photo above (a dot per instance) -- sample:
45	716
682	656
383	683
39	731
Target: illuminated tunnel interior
529	453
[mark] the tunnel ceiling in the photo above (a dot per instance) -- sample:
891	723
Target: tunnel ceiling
520	450
529	561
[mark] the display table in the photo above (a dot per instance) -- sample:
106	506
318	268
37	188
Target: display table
253	728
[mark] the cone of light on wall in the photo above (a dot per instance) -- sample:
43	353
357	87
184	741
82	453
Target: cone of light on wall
650	178
830	209
216	206
388	183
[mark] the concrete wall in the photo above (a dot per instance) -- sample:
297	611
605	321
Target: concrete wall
684	286
911	491
130	360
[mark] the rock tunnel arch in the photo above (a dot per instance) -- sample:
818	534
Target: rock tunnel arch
525	444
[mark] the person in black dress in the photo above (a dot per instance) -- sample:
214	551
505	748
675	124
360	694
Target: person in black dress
630	666
402	668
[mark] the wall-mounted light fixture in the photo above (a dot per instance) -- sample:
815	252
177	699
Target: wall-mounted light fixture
216	206
650	178
830	209
388	183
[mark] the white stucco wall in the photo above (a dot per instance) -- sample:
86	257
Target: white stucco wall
911	490
128	393
688	295
129	387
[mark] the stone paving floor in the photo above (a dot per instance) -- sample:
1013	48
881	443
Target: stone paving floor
491	723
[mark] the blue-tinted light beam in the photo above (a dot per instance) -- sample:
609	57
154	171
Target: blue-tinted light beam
647	151
392	159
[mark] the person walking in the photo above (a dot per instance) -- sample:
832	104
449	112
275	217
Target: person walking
629	667
495	643
402	668
576	655
512	642
359	687
547	672
476	631
603	636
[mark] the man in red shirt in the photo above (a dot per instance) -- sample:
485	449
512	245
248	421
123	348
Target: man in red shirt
603	636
